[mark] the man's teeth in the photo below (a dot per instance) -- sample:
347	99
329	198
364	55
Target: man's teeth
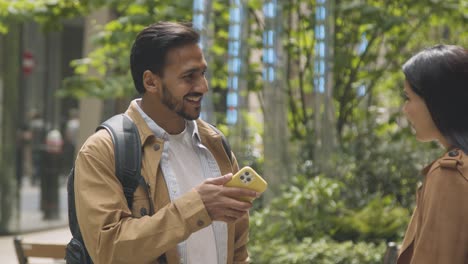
193	98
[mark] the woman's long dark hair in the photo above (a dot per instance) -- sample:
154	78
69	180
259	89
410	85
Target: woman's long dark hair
440	76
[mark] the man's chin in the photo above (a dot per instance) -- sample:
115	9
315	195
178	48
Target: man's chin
190	117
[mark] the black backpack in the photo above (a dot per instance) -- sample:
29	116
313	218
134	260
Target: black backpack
127	151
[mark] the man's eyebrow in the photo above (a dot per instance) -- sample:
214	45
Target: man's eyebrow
194	69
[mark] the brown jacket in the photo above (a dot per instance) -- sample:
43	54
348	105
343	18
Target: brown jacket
438	231
113	234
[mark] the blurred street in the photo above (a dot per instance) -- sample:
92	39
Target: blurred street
31	220
31	216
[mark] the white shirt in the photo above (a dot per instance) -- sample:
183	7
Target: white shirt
210	169
185	163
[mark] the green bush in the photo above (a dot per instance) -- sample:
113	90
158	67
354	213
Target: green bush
323	251
379	219
306	209
310	223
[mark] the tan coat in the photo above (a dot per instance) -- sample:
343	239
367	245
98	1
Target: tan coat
113	234
438	231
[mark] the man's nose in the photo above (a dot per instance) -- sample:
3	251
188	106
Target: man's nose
201	86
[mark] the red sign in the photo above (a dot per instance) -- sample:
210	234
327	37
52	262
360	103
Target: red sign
28	62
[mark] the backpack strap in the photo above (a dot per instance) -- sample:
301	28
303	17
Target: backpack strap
226	145
127	151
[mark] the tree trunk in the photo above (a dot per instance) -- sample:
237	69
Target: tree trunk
9	89
275	139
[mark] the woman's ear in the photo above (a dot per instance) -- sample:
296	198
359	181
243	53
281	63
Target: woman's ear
151	81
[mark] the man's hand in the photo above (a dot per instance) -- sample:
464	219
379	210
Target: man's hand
221	202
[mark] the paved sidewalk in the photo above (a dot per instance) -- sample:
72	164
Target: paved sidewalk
58	235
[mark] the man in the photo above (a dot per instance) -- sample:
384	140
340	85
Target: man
197	219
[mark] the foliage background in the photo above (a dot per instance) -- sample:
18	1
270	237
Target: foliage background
344	215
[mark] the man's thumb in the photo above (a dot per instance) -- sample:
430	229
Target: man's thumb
220	180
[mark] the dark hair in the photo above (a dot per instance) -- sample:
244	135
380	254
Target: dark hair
440	76
152	44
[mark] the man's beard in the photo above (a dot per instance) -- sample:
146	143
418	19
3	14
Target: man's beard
178	107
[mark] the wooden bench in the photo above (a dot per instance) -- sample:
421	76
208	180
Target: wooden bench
24	250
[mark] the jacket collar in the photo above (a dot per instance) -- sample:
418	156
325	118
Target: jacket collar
149	128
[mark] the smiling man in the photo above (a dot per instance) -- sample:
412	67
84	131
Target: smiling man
188	216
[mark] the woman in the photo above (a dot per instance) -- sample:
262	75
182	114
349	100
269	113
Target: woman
436	93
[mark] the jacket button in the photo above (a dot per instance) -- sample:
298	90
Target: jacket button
143	211
156	147
200	223
453	153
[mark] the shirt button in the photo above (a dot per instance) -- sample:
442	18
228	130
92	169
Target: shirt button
143	211
200	223
156	147
453	153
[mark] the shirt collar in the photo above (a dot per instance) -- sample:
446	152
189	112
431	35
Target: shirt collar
193	128
159	132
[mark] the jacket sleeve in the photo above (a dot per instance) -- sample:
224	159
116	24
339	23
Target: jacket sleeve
443	234
241	239
110	233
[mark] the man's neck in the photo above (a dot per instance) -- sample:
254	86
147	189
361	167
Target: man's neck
165	118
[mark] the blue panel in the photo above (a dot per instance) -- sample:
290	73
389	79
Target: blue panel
231	117
269	56
361	90
321	13
320	32
198	21
322	49
322	67
198	5
271	74
234	31
271	38
364	43
269	10
235	82
234	46
237	65
272	56
232	99
317	14
235	15
321	86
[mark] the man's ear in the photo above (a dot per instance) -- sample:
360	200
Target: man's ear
151	81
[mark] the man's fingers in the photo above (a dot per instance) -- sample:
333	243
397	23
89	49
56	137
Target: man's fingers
240	205
236	192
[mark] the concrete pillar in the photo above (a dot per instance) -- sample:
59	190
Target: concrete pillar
91	109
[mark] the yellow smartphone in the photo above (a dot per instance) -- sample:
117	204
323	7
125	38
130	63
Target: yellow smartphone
249	179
